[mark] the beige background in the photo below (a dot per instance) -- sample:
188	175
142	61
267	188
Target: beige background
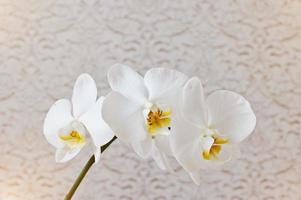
249	46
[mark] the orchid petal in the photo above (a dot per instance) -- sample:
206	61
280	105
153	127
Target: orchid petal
161	158
65	154
124	117
97	153
129	83
190	157
194	107
84	94
143	148
183	134
195	176
162	142
100	132
163	83
231	114
58	117
185	145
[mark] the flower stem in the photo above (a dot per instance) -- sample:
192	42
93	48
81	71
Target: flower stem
85	170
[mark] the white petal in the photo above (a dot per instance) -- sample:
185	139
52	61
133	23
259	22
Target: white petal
124	117
97	154
161	82
161	158
100	132
185	145
65	154
143	148
195	176
58	117
231	114
129	83
84	94
190	157
162	142
193	106
183	134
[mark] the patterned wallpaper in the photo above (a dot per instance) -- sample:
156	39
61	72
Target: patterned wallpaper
249	46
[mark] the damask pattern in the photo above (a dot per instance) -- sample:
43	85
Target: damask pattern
249	46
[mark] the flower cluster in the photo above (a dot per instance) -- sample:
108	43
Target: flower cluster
161	115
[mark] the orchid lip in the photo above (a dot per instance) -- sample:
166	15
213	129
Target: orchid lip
158	121
211	143
73	135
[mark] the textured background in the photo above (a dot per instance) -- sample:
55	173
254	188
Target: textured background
249	46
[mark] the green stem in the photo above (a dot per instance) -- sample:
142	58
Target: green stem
85	170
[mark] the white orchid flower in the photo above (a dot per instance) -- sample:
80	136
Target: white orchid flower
210	129
69	126
141	110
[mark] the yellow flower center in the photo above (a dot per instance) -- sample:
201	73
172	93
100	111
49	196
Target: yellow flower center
73	139
157	119
215	149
